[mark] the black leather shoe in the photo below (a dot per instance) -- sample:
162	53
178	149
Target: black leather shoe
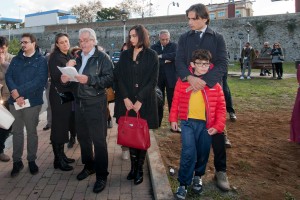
17	167
33	168
99	185
85	173
47	127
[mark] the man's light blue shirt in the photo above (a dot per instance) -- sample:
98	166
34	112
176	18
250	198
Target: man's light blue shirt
85	59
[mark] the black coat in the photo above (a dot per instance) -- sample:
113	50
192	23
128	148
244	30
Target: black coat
61	113
168	69
137	80
210	40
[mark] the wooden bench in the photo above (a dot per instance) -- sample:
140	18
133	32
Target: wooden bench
263	63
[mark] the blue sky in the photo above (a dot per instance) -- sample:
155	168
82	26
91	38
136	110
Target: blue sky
16	8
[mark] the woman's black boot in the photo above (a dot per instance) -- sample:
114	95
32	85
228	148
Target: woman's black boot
58	158
139	174
133	161
66	159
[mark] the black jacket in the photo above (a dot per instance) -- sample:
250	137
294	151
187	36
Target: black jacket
169	53
99	69
61	113
210	40
137	80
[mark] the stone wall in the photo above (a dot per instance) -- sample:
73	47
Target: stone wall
282	28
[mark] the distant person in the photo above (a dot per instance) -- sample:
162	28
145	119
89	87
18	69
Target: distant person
137	89
201	36
47	90
295	125
5	59
277	59
265	52
248	56
95	70
72	125
166	51
202	114
125	150
61	113
26	78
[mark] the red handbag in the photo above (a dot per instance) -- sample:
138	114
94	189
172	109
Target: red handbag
133	132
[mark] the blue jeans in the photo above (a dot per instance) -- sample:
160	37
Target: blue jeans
195	150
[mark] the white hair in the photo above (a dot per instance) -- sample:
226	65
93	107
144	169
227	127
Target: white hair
165	31
91	33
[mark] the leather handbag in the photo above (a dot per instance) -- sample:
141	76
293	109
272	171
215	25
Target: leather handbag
281	58
65	97
6	118
133	132
110	93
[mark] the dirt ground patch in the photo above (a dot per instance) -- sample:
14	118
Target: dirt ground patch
261	164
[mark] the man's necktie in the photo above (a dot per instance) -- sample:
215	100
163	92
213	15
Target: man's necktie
198	33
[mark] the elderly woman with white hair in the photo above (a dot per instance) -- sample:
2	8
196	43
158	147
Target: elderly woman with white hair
95	71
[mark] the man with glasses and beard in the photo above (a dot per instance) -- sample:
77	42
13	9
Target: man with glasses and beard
26	78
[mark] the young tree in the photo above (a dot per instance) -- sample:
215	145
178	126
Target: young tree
14	46
108	14
87	12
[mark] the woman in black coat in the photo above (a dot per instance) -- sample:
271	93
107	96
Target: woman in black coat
137	75
61	113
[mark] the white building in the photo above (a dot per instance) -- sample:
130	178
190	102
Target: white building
51	17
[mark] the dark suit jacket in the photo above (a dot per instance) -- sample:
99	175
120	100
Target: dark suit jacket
212	41
169	53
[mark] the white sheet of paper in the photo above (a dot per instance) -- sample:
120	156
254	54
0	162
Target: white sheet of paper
70	71
26	105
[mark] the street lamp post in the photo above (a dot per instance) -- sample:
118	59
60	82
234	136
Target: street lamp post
174	4
124	17
248	27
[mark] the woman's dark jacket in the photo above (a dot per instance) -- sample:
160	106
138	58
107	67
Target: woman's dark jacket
61	113
137	80
99	69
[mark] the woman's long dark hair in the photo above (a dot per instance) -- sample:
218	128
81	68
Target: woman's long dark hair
59	35
142	34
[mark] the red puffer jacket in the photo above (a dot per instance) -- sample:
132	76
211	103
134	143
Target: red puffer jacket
214	104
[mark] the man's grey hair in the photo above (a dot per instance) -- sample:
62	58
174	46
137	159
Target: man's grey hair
91	33
266	43
165	31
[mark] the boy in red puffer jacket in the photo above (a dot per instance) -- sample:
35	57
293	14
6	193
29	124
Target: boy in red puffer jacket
202	115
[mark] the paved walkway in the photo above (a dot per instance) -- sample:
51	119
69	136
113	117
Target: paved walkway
55	184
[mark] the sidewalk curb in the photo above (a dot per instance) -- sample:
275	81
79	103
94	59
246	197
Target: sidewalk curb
159	179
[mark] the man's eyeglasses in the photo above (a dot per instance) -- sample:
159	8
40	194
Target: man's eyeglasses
202	64
84	41
25	42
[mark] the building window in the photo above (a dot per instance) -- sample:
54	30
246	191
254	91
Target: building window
212	16
238	13
221	14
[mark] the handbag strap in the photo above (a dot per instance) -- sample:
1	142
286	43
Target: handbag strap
137	115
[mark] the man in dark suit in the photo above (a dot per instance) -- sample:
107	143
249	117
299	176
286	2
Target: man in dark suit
166	51
201	36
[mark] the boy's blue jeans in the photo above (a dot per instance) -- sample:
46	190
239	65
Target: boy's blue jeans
195	150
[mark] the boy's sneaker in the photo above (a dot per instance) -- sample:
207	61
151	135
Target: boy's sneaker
248	77
197	184
222	181
241	77
181	192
